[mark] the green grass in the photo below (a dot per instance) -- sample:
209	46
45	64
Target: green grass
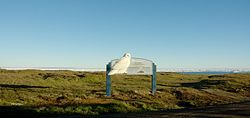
45	93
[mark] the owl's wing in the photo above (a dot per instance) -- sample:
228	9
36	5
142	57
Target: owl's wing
120	66
121	63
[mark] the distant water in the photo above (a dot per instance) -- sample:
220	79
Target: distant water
208	73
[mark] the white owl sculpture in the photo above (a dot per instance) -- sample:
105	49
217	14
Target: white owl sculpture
121	65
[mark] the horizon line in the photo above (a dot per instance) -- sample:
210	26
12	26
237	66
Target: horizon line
158	69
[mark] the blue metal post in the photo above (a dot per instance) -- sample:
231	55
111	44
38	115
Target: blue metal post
108	80
154	79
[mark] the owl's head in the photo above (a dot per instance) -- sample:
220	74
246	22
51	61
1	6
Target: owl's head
127	55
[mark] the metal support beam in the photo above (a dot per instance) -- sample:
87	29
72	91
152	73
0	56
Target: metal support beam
153	79
108	80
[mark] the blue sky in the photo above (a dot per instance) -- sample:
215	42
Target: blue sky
89	33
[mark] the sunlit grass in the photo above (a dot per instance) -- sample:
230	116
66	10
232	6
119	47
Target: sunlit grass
68	92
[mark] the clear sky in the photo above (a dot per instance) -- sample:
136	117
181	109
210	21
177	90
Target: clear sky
90	33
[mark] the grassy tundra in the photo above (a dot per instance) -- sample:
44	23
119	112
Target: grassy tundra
47	93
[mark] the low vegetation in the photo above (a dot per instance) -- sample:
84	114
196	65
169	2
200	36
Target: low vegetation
54	93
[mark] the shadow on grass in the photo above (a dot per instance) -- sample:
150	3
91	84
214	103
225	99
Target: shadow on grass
18	111
241	109
232	110
167	85
20	86
31	112
68	110
63	111
204	84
